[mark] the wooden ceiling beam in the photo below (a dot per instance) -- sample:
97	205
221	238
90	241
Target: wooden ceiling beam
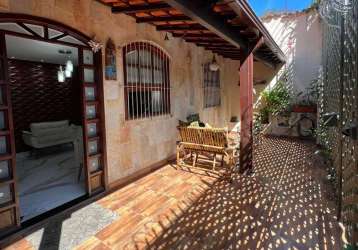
202	12
189	36
132	9
234	57
162	19
198	40
226	47
222	49
213	44
186	27
226	55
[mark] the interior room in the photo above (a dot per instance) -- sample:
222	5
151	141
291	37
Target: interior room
46	104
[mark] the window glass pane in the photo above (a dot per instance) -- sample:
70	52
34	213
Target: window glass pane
91	111
53	33
2	120
90	94
158	61
14	27
92	147
2	69
5	194
132	74
158	76
92	129
3	145
157	99
145	58
71	39
88	75
94	164
217	79
132	57
37	29
88	57
1	96
4	169
145	75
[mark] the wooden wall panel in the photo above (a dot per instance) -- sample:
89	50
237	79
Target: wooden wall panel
37	96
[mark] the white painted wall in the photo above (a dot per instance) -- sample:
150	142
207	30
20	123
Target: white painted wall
299	36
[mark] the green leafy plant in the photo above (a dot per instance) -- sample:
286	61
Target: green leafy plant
275	100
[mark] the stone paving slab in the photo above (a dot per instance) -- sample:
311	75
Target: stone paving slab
68	231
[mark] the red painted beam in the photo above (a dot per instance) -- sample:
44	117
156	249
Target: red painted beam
246	112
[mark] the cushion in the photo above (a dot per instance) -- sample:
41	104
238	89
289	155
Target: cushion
194	125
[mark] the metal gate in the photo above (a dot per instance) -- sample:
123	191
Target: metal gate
339	104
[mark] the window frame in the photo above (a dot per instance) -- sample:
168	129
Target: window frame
211	87
140	87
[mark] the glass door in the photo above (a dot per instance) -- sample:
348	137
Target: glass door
9	205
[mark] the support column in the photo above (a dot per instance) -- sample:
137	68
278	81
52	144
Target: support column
246	112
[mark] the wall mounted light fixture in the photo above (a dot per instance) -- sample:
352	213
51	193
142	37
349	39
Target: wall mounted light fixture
214	66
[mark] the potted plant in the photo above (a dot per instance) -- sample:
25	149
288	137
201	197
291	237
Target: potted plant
275	101
307	100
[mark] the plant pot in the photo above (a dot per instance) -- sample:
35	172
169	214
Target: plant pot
304	109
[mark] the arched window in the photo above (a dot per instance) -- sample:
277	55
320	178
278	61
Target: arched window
211	86
146	81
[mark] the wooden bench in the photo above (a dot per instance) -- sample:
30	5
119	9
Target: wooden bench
206	144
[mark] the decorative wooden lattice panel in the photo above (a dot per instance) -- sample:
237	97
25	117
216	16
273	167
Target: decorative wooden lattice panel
339	94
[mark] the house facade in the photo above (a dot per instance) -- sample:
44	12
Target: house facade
134	136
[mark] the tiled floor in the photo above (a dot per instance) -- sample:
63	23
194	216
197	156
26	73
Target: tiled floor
48	180
285	205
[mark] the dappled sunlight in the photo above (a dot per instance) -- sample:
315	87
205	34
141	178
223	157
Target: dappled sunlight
284	206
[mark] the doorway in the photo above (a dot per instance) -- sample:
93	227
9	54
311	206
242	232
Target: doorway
47	122
52	140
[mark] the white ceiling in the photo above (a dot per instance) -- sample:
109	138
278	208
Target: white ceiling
38	51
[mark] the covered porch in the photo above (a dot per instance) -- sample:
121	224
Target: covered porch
134	86
287	205
171	59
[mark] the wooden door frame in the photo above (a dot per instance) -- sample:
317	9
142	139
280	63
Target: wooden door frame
98	76
10	157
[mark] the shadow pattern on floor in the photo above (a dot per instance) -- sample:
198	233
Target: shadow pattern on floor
285	205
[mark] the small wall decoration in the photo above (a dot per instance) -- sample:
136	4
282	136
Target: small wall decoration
110	61
95	46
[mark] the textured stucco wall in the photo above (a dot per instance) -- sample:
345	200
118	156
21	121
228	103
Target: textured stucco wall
134	145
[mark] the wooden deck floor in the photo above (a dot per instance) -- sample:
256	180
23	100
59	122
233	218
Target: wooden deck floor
284	206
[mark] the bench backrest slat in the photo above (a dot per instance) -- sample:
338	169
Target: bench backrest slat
204	136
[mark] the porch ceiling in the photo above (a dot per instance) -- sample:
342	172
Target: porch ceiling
224	27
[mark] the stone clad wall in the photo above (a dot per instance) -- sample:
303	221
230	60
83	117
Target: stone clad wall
134	145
